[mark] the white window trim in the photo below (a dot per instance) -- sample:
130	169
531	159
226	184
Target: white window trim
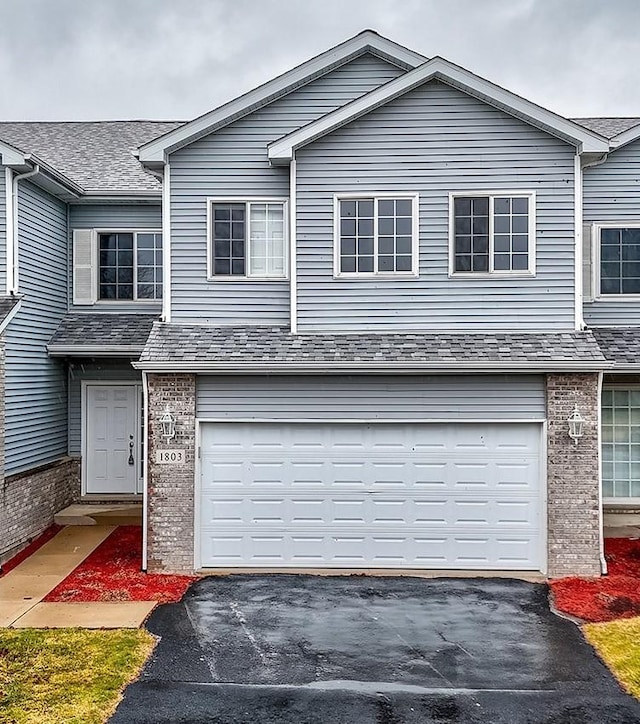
630	501
491	195
134	300
596	257
211	200
415	212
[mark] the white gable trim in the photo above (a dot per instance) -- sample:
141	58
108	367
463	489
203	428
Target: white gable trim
154	152
628	136
280	152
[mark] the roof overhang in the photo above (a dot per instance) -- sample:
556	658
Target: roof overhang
622	139
154	154
94	351
331	368
283	150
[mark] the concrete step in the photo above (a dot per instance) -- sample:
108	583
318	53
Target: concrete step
100	514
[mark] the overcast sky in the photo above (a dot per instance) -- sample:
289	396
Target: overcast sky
175	59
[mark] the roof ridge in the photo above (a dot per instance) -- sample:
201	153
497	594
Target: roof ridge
130	120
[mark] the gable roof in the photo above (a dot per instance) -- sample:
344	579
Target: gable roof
283	150
608	127
153	153
628	136
95	155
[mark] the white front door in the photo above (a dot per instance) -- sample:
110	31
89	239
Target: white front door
112	449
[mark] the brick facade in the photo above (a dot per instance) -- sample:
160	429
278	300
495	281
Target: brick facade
171	487
31	499
573	477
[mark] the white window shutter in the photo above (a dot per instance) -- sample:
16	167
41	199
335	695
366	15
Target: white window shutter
587	263
85	272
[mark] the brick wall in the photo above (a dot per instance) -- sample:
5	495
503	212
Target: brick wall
573	477
31	499
171	487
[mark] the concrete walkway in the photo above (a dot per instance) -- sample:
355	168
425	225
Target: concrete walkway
23	588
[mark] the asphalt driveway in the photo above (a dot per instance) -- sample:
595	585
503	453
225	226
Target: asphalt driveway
294	649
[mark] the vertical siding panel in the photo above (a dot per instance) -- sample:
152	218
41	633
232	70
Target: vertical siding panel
612	194
435	140
108	217
231	162
356	397
36	398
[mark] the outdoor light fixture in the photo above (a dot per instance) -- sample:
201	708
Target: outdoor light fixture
576	425
168	422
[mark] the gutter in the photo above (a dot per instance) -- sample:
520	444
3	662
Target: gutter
330	367
94	351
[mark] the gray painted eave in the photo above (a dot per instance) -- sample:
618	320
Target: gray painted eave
116	351
383	368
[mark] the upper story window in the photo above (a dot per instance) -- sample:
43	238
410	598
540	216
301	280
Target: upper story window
492	234
247	239
619	260
376	235
130	265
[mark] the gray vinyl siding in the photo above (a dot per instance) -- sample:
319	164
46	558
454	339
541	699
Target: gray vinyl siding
612	194
3	231
435	140
493	397
91	370
113	217
36	397
233	162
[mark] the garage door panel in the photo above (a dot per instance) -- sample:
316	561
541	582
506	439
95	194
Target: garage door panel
379	494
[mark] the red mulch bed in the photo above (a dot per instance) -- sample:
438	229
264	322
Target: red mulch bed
36	543
112	573
616	595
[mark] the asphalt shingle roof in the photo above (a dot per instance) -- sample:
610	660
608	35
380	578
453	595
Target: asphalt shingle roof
619	344
275	346
96	155
608	127
101	332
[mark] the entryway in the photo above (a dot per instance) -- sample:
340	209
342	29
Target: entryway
113	454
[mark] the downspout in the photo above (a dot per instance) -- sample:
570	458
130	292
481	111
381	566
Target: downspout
603	560
8	190
145	468
577	219
13	272
293	265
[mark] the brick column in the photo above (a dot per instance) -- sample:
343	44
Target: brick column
573	477
171	487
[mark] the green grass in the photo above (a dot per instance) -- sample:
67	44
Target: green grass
618	644
67	676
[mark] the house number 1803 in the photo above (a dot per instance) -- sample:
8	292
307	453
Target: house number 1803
170	457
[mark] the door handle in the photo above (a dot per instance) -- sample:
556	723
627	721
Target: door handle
131	460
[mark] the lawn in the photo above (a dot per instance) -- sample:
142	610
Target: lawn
67	676
618	643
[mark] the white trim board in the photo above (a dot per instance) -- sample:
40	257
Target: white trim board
155	152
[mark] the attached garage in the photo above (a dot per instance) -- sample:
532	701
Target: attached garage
428	472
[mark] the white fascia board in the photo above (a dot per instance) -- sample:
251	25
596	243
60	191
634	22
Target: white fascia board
155	151
622	139
281	151
12	156
370	367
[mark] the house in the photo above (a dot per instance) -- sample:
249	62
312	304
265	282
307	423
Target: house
376	313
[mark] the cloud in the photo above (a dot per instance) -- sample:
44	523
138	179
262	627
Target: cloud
73	59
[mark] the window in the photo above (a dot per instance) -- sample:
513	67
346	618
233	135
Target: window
376	236
492	234
247	239
620	260
130	265
621	443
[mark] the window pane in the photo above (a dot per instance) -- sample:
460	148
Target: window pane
228	229
404	207
471	242
386	207
620	261
511	237
116	266
403	263
520	206
266	241
365	264
386	263
149	264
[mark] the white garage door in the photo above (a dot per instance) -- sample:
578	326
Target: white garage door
383	495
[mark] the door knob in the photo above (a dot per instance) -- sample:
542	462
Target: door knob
131	460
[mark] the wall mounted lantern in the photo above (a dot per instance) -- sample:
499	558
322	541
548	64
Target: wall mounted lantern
576	425
168	422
